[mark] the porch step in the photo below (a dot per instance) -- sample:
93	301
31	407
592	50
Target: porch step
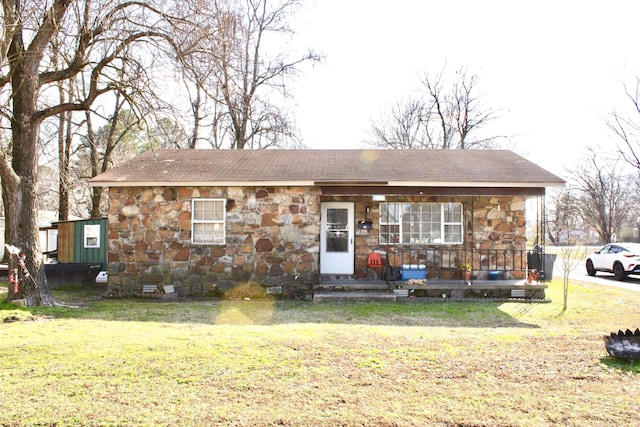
352	286
355	296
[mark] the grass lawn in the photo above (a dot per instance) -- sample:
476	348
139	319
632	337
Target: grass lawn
289	363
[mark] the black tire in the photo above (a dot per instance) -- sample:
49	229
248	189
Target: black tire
590	270
618	272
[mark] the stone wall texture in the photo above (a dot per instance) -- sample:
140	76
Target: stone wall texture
497	239
272	236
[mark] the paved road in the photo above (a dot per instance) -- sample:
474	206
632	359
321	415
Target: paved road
579	273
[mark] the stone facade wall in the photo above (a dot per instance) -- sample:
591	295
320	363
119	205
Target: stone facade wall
272	235
498	224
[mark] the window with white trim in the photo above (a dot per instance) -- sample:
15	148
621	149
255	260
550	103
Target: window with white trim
92	236
420	223
208	221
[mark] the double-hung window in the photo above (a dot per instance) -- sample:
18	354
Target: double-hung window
420	223
208	221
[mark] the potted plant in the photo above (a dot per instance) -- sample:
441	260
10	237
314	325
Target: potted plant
466	269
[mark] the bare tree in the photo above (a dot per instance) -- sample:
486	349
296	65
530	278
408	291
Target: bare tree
97	36
167	133
571	256
625	125
562	220
235	82
99	147
562	216
633	216
449	116
197	67
603	194
403	126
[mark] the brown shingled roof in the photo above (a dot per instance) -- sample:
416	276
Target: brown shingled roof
305	167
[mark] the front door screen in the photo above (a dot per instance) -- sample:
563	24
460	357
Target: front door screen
337	230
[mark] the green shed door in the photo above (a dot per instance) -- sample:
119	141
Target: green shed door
90	243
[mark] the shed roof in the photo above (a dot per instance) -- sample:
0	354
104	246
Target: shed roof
436	168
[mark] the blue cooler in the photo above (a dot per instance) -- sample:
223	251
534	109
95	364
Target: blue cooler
416	271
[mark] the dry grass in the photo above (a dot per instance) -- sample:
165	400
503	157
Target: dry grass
286	363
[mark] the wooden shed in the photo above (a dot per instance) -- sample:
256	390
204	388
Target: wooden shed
82	252
83	241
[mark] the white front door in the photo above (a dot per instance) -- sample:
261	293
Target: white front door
336	238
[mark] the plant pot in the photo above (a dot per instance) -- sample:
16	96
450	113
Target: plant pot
464	275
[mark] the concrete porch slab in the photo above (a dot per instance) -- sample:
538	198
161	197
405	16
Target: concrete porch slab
485	290
356	296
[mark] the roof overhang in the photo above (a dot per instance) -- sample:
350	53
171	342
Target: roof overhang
351	183
433	191
386	185
202	183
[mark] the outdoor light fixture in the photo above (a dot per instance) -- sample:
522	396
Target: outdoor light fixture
366	224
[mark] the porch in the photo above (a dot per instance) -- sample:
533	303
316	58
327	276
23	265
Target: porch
511	290
458	265
442	274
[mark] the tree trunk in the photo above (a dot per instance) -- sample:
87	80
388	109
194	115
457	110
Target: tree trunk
64	152
22	218
96	199
19	183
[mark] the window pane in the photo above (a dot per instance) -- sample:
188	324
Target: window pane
337	241
434	209
389	223
208	210
433	225
453	212
388	213
337	219
208	221
208	232
218	210
212	233
453	233
421	223
389	234
384	213
218	233
198	233
198	213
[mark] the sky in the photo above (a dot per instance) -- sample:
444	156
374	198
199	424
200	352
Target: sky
554	70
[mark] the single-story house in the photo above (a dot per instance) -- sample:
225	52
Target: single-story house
205	220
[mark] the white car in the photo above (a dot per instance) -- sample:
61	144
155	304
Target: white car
621	259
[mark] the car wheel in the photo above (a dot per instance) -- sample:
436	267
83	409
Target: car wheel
591	271
618	272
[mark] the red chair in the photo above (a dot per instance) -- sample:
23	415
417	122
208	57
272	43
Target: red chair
375	261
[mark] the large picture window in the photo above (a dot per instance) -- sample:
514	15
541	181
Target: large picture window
208	221
420	223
